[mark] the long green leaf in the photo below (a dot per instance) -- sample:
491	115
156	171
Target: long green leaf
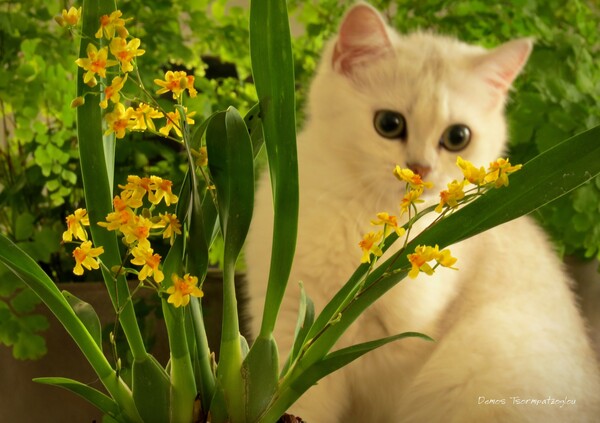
97	182
329	364
103	403
231	165
232	169
273	71
545	178
306	317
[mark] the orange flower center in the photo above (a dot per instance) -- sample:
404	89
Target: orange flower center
79	255
120	124
153	261
97	65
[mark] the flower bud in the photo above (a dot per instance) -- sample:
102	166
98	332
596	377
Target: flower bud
59	20
77	101
183	82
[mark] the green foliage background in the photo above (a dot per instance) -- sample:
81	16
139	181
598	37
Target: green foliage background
557	96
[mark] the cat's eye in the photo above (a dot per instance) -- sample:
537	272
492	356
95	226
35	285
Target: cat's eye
390	124
456	137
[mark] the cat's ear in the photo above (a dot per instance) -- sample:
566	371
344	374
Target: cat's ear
501	66
363	36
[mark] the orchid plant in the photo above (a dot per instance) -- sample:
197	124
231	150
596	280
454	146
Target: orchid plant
247	383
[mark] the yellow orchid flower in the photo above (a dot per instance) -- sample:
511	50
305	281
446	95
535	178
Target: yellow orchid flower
370	245
143	115
125	51
452	195
471	173
173	122
96	63
182	289
161	189
85	256
111	23
413	179
112	92
424	254
144	256
389	222
499	170
75	226
176	82
119	120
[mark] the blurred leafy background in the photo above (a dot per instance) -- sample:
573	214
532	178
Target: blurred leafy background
556	97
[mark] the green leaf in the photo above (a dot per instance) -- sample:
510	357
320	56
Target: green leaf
230	161
260	371
306	317
53	184
289	393
151	388
27	270
87	315
25	301
253	121
98	399
96	155
69	176
231	165
273	72
8	282
34	322
29	346
545	178
24	226
345	356
9	330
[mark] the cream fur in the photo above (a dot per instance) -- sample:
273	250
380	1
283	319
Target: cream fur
506	324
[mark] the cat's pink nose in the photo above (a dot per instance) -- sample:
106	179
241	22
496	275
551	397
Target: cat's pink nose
419	169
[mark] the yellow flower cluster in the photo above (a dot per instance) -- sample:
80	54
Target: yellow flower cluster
85	255
135	226
110	63
496	175
424	254
124	51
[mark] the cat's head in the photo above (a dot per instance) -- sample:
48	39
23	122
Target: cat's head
417	100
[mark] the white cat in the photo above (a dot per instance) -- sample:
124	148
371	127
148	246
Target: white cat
510	343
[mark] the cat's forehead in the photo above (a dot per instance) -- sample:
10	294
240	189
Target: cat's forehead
424	69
